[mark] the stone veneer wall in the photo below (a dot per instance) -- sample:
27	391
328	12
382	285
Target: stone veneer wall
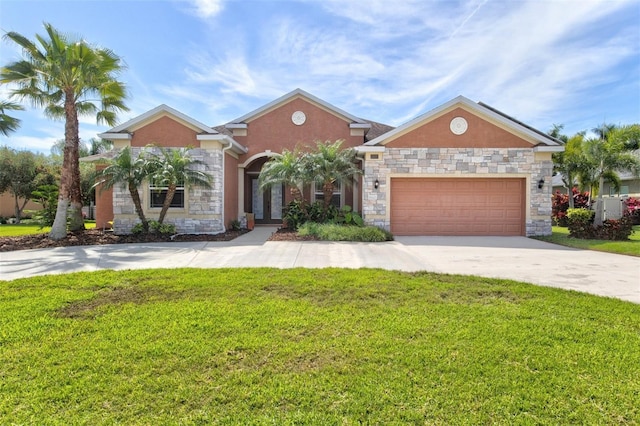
451	162
203	207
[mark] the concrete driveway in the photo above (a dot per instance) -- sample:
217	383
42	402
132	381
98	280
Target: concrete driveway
516	258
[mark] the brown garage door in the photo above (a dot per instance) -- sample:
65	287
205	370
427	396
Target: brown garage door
457	206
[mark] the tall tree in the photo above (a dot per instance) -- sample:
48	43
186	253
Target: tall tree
9	124
129	172
329	163
609	156
20	173
569	163
173	167
287	168
68	78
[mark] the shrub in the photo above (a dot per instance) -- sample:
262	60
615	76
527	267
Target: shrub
155	227
235	225
335	232
632	209
560	205
618	230
580	222
47	196
298	213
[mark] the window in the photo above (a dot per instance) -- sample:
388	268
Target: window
624	191
157	195
336	199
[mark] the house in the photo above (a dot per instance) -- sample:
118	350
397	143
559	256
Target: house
463	168
629	186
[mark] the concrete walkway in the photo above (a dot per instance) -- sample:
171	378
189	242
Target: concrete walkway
516	258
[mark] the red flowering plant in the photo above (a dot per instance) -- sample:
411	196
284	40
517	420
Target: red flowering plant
632	209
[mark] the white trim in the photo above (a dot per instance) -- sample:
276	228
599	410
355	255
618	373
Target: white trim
240	149
110	136
547	148
287	97
364	148
254	157
472	106
360	125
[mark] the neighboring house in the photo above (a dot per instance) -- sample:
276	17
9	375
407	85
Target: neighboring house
629	186
461	169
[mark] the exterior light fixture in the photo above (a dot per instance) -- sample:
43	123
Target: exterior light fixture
540	183
376	184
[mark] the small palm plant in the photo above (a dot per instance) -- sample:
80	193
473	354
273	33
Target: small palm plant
129	172
287	168
330	164
173	167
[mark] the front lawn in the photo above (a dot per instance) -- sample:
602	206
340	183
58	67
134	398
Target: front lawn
631	247
327	346
29	228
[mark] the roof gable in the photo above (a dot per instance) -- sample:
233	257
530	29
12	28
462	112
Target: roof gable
155	114
500	120
296	94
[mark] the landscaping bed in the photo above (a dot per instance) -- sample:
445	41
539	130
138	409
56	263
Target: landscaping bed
90	237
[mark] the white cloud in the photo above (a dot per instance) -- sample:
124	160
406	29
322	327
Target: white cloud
206	8
391	61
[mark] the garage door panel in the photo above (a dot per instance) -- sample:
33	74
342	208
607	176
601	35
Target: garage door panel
457	206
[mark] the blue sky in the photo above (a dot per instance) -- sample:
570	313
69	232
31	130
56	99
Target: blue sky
543	62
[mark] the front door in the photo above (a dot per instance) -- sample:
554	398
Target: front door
267	205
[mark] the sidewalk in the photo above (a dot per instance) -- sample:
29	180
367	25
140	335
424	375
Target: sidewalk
516	258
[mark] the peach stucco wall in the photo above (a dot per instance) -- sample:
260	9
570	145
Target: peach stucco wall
104	204
275	131
165	132
480	134
8	203
230	189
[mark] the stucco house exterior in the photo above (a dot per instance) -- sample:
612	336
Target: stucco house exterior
462	168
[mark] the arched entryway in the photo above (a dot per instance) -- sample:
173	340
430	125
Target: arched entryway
266	205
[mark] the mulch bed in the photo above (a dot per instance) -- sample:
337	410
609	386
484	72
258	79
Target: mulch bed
286	234
92	237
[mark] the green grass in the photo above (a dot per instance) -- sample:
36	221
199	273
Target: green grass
19	229
631	247
321	347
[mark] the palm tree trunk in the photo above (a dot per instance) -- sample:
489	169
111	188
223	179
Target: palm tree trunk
327	190
137	203
167	202
70	194
599	217
296	193
570	191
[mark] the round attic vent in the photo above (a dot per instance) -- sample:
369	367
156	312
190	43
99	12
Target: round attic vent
458	126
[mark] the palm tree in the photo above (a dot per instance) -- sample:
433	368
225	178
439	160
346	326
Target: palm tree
130	173
67	78
569	163
329	164
287	168
9	124
174	167
608	156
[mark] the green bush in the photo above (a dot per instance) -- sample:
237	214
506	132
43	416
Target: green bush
235	225
155	227
298	213
580	223
335	232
